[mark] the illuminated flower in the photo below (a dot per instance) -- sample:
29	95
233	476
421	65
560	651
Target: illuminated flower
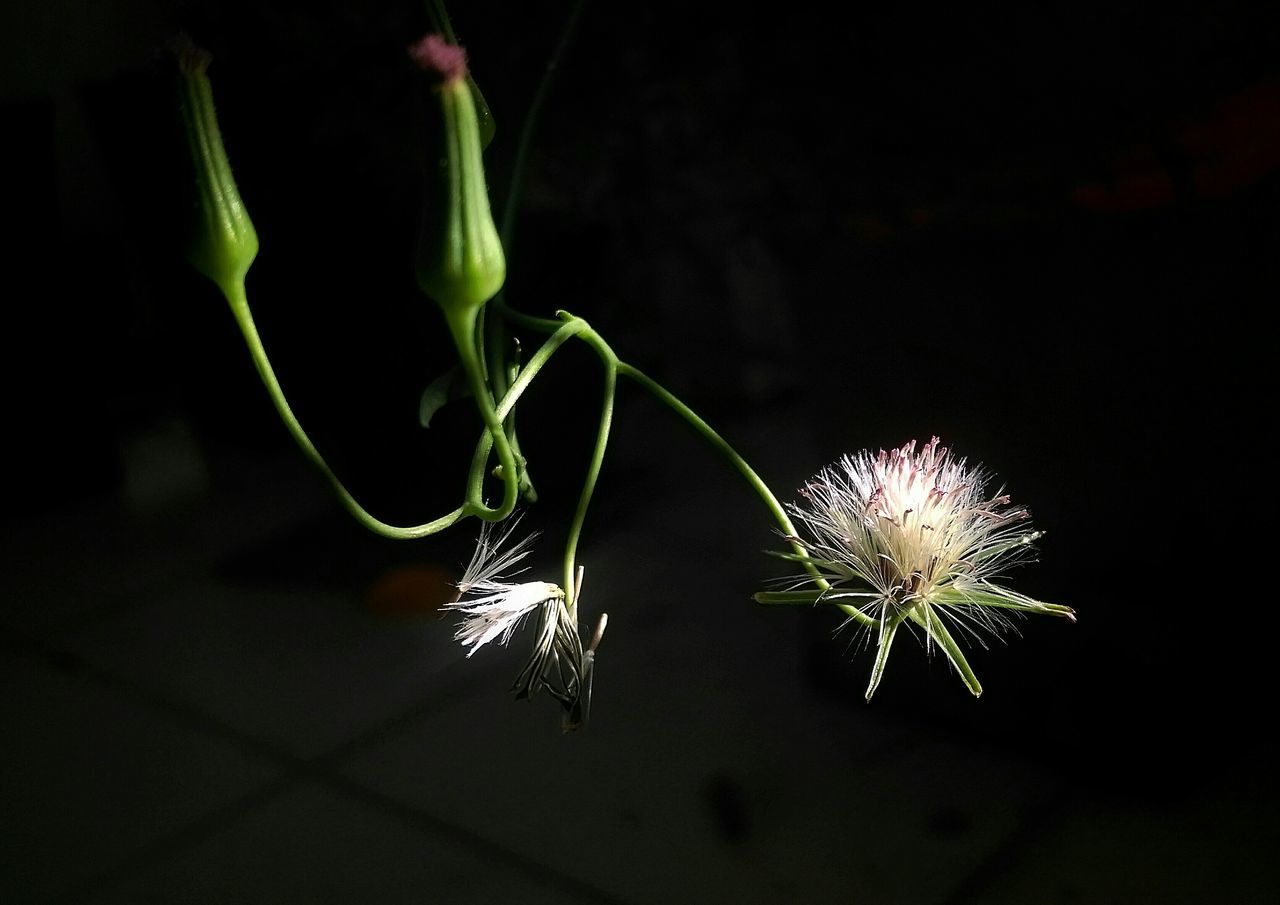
494	607
913	536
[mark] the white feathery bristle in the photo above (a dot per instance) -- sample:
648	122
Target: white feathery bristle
496	607
909	523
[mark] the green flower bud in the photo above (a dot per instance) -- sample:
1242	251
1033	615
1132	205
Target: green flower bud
224	243
460	261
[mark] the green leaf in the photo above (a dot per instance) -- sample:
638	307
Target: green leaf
450	385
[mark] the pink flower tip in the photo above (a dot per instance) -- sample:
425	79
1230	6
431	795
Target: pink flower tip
436	56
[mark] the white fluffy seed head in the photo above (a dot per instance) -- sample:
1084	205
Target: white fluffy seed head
910	523
493	607
497	614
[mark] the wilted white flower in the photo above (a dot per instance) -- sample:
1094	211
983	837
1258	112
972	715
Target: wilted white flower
492	606
914	536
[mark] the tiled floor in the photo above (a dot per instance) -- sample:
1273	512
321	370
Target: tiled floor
93	776
177	734
313	843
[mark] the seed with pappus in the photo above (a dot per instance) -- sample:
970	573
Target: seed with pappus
494	607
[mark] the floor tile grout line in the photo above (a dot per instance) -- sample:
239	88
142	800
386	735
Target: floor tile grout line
122	603
115	606
296	769
477	842
1038	816
66	660
436	701
198	568
119	603
182	839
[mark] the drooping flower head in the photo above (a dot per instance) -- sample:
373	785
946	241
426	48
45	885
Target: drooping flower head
494	607
915	535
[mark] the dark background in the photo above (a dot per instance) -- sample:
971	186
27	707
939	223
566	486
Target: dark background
1046	233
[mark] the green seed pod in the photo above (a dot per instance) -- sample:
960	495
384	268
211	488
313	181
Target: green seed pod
460	260
224	243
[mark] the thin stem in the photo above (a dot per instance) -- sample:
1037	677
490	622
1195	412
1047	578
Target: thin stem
566	331
809	597
440	24
790	598
519	318
574	326
463	327
589	485
493	334
240	308
758	485
496	333
528	492
530	125
439	17
536	362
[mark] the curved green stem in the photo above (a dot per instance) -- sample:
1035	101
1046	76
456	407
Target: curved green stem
493	335
520	319
568	328
809	597
463	327
709	433
537	360
757	484
573	326
535	364
239	302
439	17
530	125
494	332
593	474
